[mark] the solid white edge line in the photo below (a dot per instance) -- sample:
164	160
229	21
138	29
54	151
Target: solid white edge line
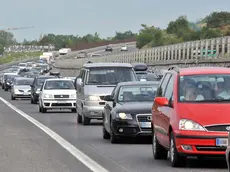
87	161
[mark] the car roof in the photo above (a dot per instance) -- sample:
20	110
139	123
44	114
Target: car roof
46	77
138	83
92	65
23	78
10	74
204	70
58	79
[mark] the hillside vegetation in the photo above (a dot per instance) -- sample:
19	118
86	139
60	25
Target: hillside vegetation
216	24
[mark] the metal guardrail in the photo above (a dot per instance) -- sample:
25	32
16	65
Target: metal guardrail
195	51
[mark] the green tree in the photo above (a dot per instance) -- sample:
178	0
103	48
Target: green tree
217	19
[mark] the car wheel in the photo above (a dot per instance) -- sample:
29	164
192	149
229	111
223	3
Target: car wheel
73	110
175	159
32	101
105	133
113	137
43	110
12	97
159	152
85	120
79	118
6	89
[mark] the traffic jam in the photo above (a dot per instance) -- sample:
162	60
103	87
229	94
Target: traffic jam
184	110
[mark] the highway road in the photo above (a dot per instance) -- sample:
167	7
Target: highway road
25	147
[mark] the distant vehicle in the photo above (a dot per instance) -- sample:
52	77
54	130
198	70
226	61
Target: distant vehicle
29	65
127	112
94	82
82	55
124	48
109	48
36	87
95	55
22	66
57	94
21	88
64	51
8	79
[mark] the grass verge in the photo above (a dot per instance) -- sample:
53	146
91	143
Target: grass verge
11	57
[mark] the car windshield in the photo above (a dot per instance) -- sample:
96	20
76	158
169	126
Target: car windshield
60	84
40	81
137	93
22	64
10	77
24	82
109	76
204	88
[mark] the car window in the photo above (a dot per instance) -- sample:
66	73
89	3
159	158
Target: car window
204	88
169	88
24	82
161	89
60	84
137	93
109	75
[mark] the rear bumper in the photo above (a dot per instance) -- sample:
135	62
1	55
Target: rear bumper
200	143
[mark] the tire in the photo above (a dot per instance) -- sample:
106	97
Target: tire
113	137
175	159
85	120
32	101
12	97
73	110
159	152
79	118
43	110
6	89
105	133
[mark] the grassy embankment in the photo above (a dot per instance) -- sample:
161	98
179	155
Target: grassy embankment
11	57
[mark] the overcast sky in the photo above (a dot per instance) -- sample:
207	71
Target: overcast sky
80	17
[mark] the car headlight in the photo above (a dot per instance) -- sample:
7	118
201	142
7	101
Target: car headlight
73	96
186	124
124	116
38	91
48	96
92	98
16	90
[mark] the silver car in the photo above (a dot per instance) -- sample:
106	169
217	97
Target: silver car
21	88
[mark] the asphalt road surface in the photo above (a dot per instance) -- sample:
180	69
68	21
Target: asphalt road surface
24	147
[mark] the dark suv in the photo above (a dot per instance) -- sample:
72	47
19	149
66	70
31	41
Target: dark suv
36	86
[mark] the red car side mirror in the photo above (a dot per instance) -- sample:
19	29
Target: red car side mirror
162	101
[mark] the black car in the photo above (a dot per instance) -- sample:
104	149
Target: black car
36	86
7	81
108	48
127	112
143	73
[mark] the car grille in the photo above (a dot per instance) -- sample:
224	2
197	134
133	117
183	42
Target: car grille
24	91
144	118
222	128
61	96
211	148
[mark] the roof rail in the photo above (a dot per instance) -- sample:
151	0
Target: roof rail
175	68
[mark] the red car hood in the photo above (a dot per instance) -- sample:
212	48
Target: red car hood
205	114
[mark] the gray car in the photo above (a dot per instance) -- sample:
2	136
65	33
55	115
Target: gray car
21	88
94	82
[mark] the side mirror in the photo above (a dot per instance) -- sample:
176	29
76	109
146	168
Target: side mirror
79	81
108	98
162	101
31	86
41	90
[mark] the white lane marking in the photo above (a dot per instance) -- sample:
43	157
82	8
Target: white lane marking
87	161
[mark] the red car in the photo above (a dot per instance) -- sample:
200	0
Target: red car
191	114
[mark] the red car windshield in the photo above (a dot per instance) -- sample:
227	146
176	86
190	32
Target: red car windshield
204	88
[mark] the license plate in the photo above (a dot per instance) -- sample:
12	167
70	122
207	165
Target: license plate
145	124
26	94
221	142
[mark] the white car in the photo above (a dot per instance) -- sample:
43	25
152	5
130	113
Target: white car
57	93
64	51
124	48
22	66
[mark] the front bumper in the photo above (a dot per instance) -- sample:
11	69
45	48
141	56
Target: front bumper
130	128
59	104
200	143
22	95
